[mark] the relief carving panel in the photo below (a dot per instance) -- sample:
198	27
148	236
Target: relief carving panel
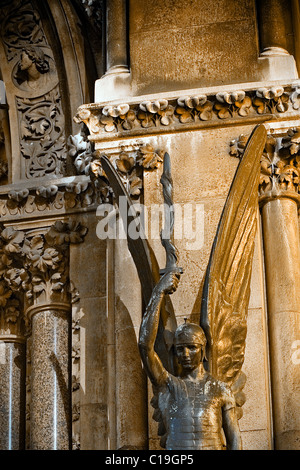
35	85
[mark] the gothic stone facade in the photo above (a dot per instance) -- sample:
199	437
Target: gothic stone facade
133	80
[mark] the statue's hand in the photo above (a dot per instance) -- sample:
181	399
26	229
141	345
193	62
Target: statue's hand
169	282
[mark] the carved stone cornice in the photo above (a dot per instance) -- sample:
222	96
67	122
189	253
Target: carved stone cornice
280	165
189	109
51	197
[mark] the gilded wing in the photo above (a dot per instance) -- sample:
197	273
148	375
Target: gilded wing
146	265
226	289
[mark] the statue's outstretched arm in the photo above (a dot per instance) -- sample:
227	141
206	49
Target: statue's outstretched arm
149	327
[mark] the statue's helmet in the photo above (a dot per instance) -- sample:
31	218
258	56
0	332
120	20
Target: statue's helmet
190	333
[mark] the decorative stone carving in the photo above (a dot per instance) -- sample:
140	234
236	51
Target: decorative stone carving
126	118
192	107
280	169
35	265
42	135
33	70
79	195
12	279
38	99
129	165
273	100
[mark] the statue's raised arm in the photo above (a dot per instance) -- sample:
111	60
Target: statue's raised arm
149	328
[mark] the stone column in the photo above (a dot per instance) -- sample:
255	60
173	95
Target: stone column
282	261
12	341
50	412
115	84
116	35
275	35
280	201
12	392
49	313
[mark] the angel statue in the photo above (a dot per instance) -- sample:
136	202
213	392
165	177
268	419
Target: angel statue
196	370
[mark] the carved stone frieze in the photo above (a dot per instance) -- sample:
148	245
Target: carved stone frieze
161	114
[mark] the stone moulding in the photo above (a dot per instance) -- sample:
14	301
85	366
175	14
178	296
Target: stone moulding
66	195
190	109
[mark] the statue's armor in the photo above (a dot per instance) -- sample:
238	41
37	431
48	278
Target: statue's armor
192	412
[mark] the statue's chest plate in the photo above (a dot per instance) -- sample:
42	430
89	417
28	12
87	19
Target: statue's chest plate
193	398
192	413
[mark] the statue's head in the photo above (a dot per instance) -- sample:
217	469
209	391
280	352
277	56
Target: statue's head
190	344
34	55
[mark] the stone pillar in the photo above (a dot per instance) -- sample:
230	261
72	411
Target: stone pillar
50	380
279	200
275	34
49	313
282	262
12	393
12	342
116	35
115	83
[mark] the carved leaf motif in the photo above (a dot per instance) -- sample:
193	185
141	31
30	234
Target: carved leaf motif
148	157
108	123
62	233
205	111
223	110
5	294
244	106
185	114
125	163
12	240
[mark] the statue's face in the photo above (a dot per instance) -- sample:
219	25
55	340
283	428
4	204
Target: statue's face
25	62
189	354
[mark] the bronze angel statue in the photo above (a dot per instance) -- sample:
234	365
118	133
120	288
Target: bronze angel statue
196	370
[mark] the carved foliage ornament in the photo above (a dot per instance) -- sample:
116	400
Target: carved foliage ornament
35	265
280	162
188	109
129	165
42	135
38	99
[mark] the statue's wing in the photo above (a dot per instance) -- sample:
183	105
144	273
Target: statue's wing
226	290
146	265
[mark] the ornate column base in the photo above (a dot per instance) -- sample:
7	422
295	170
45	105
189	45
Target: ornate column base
277	64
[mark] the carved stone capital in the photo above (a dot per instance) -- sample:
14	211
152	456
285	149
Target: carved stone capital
128	162
34	270
280	165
